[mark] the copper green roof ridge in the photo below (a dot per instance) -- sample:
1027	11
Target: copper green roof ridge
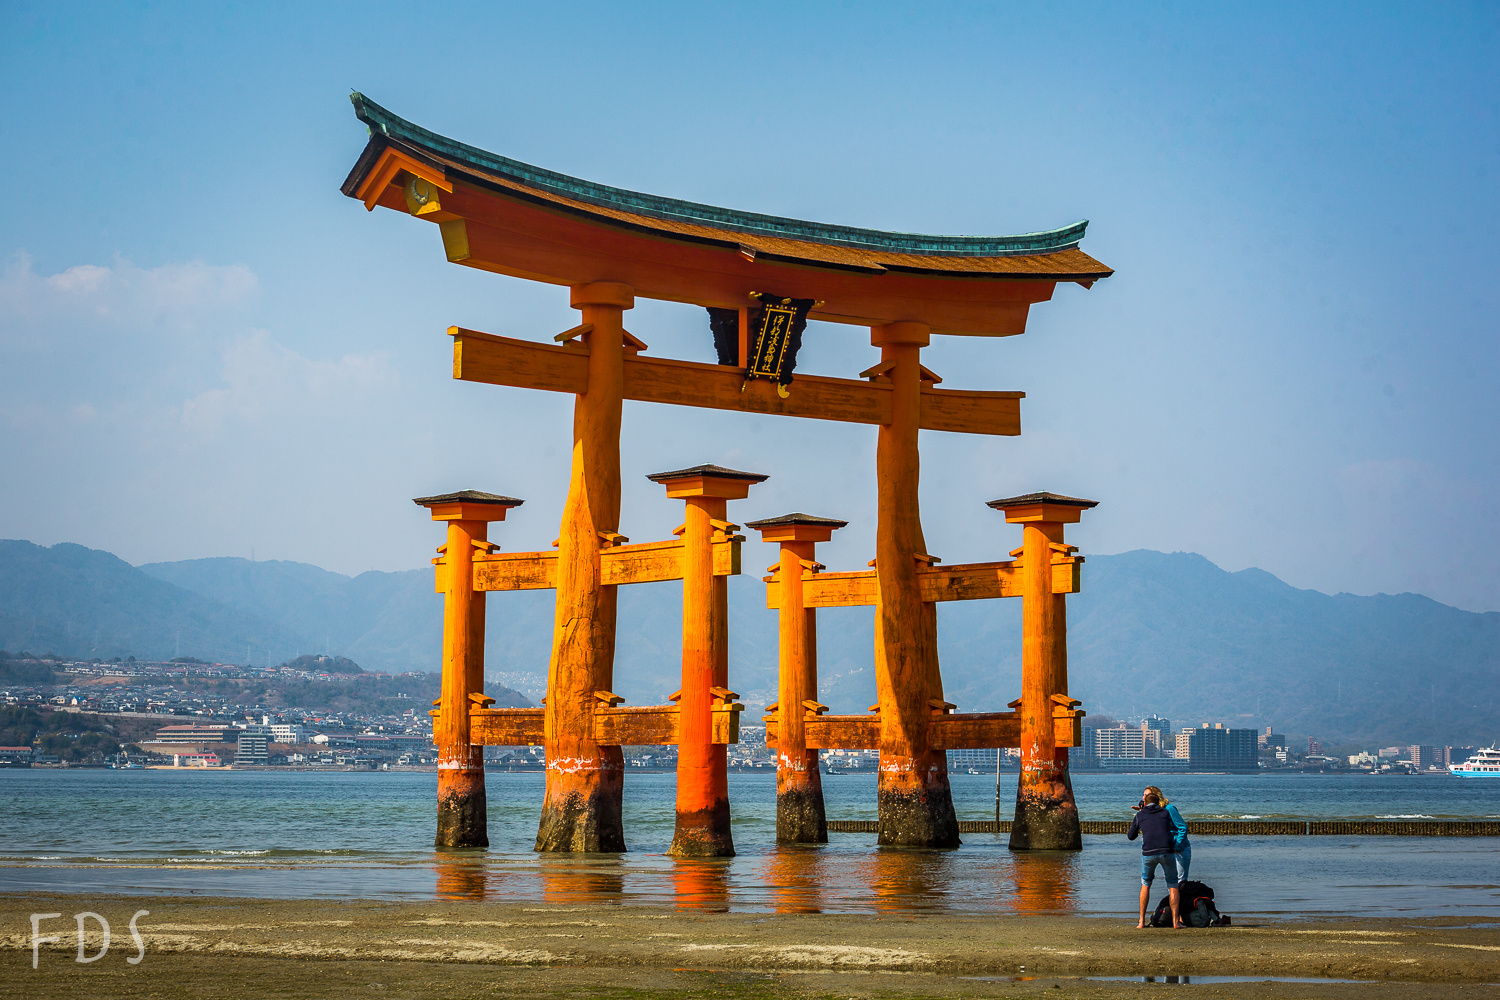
384	123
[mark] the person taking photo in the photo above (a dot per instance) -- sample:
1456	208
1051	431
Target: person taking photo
1158	850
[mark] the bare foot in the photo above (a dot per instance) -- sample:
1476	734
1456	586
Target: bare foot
1140	926
1179	927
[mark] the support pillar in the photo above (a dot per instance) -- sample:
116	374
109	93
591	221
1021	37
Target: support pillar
585	781
461	820
702	765
1046	817
915	801
800	818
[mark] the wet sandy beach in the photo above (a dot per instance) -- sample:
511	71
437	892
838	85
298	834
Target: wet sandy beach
224	947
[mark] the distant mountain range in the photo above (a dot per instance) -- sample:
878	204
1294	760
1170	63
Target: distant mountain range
1170	634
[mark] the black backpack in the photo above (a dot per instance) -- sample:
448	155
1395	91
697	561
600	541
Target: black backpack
1195	905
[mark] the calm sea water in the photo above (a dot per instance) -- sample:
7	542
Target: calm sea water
369	835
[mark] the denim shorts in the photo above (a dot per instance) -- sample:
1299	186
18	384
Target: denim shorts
1168	864
1184	858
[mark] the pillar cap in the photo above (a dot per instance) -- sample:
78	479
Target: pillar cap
602	293
1042	507
708	481
468	505
767	522
796	528
901	332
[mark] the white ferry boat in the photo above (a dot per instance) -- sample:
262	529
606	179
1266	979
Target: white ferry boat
1484	764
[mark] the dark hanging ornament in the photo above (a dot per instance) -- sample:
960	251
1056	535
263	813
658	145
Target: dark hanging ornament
725	324
777	338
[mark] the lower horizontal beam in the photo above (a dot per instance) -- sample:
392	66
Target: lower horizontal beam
644	562
834	732
652	725
507	727
975	731
962	582
657	725
971	731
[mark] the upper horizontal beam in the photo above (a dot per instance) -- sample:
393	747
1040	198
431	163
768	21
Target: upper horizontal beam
483	357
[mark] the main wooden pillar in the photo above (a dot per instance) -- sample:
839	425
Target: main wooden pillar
800	818
1046	816
581	811
915	802
461	820
702	765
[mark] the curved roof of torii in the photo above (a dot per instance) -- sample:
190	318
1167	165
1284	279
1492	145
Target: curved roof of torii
1040	259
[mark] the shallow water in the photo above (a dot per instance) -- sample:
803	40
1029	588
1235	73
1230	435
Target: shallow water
368	834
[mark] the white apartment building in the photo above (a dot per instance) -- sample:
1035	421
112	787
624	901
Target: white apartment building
285	732
1120	742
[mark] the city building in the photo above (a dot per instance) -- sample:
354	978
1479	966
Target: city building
16	756
984	760
1216	748
1145	765
253	747
1268	740
195	760
196	734
1425	758
1127	748
1158	736
1120	742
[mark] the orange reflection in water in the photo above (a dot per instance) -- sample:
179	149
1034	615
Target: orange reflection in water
1045	881
586	879
461	877
907	879
702	884
793	875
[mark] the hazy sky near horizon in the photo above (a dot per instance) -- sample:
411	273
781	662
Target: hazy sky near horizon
206	350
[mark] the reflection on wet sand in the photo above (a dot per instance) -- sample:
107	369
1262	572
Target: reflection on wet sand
461	876
587	878
792	875
702	883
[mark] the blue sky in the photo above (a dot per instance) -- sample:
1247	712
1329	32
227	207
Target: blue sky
206	350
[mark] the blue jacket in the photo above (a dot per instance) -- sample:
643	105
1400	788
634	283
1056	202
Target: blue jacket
1179	837
1154	826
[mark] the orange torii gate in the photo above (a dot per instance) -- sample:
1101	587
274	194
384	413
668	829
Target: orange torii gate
608	246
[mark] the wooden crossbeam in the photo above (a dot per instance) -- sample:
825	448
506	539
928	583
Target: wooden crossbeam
613	726
636	726
974	730
645	562
483	357
657	725
967	582
506	727
513	571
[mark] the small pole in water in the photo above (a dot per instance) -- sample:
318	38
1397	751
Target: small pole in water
997	789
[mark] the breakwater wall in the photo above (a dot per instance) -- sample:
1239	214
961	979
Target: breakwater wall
1245	827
